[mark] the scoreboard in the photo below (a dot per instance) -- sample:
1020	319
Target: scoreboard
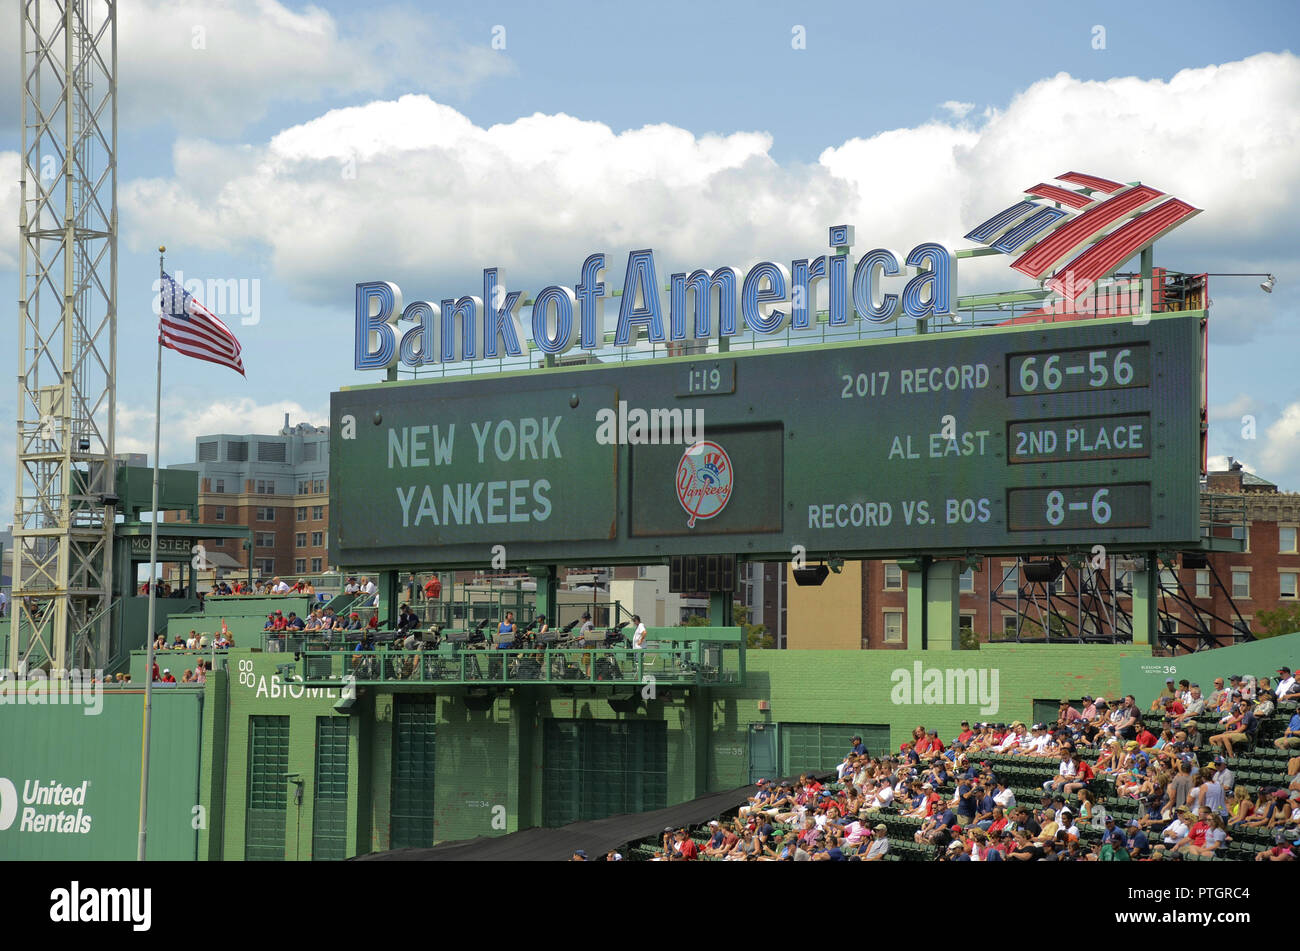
994	440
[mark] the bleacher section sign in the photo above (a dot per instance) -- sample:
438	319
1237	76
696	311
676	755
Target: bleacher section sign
999	440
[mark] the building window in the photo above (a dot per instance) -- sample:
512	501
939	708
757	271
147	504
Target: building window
219	486
1010	579
1058	586
966	624
318	486
219	513
299	565
266	487
968	581
266	566
1286	540
265	539
316	539
1242	624
1242	534
304	486
1169	580
302	513
317	513
207	452
1286	584
300	540
236	452
1169	625
893	576
1203	584
1008	625
315	565
1123	581
265	514
1241	584
893	627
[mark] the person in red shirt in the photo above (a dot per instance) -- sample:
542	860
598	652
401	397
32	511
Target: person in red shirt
685	847
1146	739
167	678
1083	774
966	734
433	589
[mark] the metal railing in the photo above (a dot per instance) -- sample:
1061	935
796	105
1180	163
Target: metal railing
692	664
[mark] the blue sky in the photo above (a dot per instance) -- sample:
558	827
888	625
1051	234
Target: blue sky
697	129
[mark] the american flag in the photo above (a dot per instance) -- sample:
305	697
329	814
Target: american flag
186	326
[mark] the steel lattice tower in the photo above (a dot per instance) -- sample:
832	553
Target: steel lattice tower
67	335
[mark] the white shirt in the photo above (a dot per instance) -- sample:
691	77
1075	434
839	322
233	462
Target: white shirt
369	587
883	797
638	637
350	588
1175	831
1067	767
281	588
1006	799
1012	739
1282	688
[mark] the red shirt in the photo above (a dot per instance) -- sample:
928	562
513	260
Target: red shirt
1176	708
1084	772
965	735
923	745
1146	738
1197	833
433	589
688	851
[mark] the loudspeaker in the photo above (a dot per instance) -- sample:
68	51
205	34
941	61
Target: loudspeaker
1042	571
814	576
1195	559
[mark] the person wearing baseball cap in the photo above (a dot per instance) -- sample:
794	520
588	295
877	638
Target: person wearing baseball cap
1287	688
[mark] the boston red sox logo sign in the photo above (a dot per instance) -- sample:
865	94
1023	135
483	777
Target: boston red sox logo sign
704	480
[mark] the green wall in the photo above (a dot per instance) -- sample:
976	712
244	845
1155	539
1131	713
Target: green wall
62	744
861	687
1144	677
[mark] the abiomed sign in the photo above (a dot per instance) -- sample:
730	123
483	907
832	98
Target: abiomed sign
489	328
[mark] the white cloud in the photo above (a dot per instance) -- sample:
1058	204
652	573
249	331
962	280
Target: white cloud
958	110
435	197
184	419
1279	451
1220	463
9	208
212	66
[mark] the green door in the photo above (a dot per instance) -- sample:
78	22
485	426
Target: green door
329	831
411	814
762	751
598	768
822	746
268	763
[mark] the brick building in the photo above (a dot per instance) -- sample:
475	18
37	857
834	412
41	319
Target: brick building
278	486
865	605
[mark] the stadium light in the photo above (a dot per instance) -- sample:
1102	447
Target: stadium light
810	577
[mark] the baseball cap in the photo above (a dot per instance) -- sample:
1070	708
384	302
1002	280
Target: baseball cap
1284	670
881	827
581	852
1169	680
1133	823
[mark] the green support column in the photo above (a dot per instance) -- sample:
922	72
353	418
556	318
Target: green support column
915	568
722	610
547	578
942	597
1146	595
389	588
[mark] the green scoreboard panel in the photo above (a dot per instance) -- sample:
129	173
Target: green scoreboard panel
997	440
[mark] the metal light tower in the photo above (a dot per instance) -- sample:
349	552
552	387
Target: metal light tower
67	335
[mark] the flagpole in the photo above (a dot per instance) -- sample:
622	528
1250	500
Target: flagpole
153	566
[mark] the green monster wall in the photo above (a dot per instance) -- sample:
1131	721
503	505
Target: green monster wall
71	744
